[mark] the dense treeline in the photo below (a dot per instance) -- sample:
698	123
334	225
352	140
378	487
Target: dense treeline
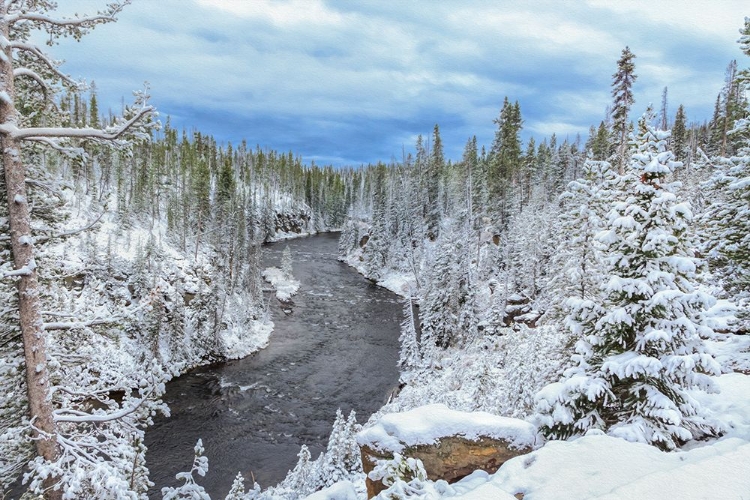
149	258
136	255
561	238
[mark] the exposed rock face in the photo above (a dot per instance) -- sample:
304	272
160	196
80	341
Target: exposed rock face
451	444
451	459
292	222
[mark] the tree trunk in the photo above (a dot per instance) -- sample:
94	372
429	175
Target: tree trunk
19	222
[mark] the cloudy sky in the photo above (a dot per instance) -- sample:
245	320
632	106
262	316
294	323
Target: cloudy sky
346	82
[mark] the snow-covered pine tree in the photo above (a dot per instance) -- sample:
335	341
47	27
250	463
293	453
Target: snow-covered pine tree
342	455
444	292
352	455
237	492
300	478
640	349
409	357
576	266
728	215
190	490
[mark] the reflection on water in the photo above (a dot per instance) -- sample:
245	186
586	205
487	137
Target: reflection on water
337	349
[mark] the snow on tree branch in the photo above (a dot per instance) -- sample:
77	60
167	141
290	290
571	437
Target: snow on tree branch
109	134
19	72
44	59
35	12
73	232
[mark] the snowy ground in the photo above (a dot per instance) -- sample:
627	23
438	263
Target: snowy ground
602	467
595	466
402	284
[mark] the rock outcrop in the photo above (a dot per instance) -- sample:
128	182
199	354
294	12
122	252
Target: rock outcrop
451	444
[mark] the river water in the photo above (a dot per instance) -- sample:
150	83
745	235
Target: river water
337	348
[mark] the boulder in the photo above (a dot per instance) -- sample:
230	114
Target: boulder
451	444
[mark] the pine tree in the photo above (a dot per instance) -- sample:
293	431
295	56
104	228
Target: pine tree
680	135
602	147
190	490
663	118
409	357
504	160
433	174
237	492
640	349
729	214
578	262
622	95
300	479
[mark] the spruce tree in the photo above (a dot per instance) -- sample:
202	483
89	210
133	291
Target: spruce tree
622	95
409	357
729	235
578	262
680	135
640	349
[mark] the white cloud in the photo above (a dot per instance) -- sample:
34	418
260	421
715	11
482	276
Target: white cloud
283	13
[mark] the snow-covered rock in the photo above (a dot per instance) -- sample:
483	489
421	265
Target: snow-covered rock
450	444
285	286
428	424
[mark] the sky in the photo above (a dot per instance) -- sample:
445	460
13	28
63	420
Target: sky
350	82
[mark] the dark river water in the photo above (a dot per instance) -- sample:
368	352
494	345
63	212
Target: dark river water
336	349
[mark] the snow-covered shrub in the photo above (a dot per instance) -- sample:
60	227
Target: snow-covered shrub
404	477
190	490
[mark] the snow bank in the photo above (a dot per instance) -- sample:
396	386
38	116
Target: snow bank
343	490
732	352
427	424
402	284
242	340
285	286
604	467
730	406
597	466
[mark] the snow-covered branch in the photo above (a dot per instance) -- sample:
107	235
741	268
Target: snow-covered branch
77	416
26	270
63	22
109	134
68	151
77	325
44	58
62	26
34	76
67	234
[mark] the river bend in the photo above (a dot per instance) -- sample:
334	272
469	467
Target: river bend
336	349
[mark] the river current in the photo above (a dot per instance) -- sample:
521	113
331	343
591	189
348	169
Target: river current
335	347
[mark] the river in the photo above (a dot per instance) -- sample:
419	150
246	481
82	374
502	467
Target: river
337	348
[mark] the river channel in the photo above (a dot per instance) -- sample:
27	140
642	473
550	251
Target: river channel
337	348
